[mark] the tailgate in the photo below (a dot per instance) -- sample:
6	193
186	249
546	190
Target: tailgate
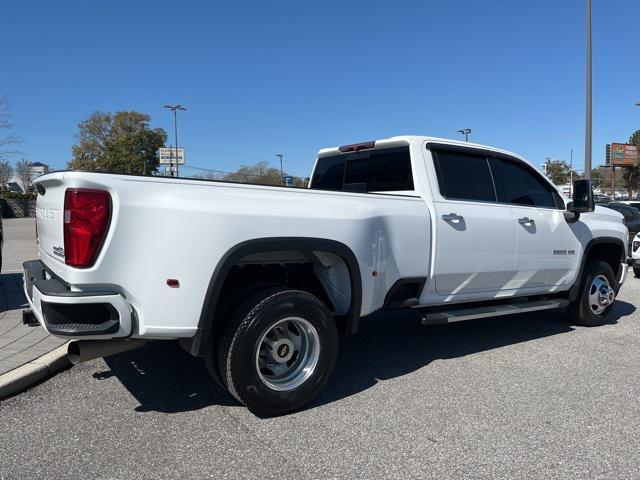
50	217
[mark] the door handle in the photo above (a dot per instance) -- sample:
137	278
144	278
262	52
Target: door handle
452	217
526	221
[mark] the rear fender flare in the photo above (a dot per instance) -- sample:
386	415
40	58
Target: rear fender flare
203	337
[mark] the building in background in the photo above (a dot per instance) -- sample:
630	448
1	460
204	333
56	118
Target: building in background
15	183
37	169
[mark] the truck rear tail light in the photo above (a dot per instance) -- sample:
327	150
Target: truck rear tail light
87	214
356	147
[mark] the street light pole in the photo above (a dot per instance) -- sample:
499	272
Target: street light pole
175	109
280	155
144	161
587	133
465	132
571	172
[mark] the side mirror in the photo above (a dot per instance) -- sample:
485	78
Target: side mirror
582	197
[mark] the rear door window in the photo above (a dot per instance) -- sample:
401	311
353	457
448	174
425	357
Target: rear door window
464	176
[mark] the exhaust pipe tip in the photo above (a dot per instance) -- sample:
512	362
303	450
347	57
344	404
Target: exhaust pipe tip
84	350
73	351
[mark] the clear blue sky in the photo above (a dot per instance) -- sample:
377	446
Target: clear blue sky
261	78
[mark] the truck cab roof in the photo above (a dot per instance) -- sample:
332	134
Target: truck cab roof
416	139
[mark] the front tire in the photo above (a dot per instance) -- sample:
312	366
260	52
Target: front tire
636	272
596	296
278	351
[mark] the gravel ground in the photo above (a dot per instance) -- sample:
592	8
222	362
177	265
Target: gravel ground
512	397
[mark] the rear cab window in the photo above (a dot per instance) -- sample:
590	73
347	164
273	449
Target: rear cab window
464	176
377	170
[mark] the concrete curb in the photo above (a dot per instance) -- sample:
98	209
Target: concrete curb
32	372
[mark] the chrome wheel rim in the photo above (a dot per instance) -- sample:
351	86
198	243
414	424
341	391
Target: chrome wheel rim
601	295
287	353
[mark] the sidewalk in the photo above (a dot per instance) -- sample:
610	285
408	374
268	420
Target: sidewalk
21	347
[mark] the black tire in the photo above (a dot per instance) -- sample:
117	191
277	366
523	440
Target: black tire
229	307
636	272
580	309
238	349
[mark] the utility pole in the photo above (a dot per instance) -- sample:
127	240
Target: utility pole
279	155
144	161
613	181
175	109
587	133
465	132
571	172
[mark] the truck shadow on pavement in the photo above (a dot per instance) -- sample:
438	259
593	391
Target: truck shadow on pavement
11	294
164	378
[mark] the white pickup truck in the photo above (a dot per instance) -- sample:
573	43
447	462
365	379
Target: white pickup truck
260	280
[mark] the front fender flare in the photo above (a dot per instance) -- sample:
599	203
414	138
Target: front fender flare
575	289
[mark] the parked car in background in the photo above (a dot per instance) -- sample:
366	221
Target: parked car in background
631	203
635	255
601	199
631	217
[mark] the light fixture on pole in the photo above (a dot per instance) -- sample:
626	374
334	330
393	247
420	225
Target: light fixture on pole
175	109
465	132
280	155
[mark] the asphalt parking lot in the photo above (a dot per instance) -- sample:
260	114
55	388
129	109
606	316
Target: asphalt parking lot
510	397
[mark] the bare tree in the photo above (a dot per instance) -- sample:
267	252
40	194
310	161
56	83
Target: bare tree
23	172
8	140
6	171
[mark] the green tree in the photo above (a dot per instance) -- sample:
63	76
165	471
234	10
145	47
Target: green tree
558	171
122	142
601	177
630	176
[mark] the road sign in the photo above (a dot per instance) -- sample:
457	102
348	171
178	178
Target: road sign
171	168
288	181
607	155
168	155
624	155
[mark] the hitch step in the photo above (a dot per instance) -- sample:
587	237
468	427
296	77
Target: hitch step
29	319
450	316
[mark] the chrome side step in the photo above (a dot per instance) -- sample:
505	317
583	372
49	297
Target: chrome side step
451	316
